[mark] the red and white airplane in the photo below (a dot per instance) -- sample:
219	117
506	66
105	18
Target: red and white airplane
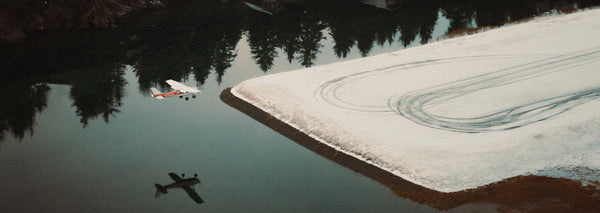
180	90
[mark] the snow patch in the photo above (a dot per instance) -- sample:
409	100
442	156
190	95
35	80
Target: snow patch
459	113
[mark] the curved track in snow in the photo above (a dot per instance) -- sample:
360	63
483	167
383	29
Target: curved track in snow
417	105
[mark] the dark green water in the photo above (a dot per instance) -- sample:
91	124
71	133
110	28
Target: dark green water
80	133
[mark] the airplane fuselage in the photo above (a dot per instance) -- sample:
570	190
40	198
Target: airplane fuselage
184	182
169	94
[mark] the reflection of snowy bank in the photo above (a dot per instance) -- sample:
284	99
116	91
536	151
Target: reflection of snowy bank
459	113
587	175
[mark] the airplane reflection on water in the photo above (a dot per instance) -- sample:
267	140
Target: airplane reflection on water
186	184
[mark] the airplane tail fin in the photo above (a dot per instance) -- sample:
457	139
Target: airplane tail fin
155	92
159	190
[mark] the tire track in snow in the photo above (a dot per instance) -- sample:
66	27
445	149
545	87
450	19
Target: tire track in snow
414	105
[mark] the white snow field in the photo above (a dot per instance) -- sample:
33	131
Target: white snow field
459	113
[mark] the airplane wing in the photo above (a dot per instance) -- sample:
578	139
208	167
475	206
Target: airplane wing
175	177
182	87
192	193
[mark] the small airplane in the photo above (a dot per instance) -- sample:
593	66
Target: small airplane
180	90
186	184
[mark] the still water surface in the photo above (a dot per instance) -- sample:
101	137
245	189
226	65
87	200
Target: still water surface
80	133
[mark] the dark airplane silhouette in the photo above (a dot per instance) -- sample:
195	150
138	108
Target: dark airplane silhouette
186	184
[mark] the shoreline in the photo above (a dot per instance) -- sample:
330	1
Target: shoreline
522	193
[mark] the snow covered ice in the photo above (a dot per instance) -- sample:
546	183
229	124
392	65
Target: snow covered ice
459	113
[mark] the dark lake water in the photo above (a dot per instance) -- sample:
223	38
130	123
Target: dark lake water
79	131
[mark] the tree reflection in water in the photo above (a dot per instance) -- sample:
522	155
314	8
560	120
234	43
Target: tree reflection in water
20	105
200	38
98	93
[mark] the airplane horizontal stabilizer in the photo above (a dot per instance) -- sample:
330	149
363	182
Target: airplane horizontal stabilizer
159	190
156	93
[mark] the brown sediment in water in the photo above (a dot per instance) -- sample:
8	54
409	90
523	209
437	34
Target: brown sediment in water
521	193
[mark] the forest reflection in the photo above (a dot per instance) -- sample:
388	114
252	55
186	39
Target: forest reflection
200	38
